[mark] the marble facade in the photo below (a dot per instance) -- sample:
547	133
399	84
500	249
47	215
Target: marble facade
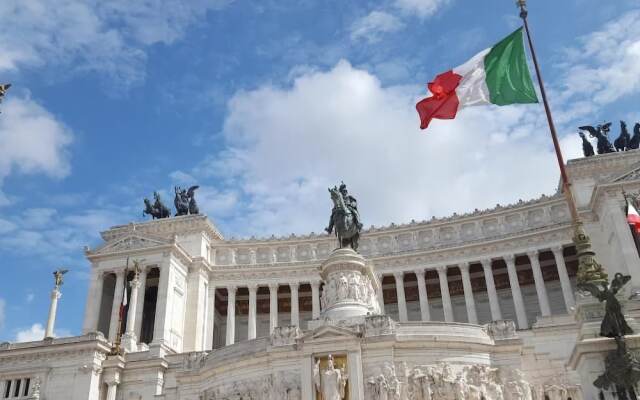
481	305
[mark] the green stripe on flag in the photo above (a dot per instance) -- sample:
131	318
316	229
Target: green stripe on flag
507	72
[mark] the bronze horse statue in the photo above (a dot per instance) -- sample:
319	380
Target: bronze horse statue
158	209
622	142
342	218
634	143
600	132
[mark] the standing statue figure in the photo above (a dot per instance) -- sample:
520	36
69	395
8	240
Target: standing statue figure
600	132
330	382
185	201
58	277
344	217
613	324
622	142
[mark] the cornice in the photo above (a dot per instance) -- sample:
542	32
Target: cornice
166	227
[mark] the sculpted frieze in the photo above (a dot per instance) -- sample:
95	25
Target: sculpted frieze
348	286
282	385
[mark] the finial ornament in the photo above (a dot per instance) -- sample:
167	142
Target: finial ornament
522	4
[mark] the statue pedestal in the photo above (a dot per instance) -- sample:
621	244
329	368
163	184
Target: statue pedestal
350	287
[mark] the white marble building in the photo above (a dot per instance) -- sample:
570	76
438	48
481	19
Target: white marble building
481	305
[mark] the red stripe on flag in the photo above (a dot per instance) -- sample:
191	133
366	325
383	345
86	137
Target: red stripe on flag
444	103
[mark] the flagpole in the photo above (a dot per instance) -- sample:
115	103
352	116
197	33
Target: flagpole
566	186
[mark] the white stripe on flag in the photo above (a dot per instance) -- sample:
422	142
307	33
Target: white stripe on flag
473	90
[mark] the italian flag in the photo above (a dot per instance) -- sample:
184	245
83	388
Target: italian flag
498	75
633	218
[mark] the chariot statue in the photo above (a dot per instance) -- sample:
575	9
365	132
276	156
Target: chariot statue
345	218
157	209
185	201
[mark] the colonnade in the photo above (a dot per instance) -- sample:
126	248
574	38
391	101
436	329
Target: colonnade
134	320
492	293
273	307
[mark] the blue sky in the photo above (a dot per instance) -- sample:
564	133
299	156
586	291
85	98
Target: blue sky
265	104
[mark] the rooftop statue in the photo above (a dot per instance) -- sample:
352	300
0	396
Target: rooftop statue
345	217
185	201
158	209
634	143
3	90
600	132
622	142
587	148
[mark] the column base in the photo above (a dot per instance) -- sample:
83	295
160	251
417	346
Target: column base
130	343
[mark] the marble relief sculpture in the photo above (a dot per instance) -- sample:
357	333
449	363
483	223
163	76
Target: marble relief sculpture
444	381
349	286
331	381
283	385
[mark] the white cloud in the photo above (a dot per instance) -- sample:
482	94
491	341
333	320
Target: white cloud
371	26
606	66
32	334
36	333
343	125
105	36
421	8
32	140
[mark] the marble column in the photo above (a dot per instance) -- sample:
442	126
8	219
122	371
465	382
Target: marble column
112	388
251	323
211	315
494	304
402	303
295	308
115	306
469	301
425	315
541	290
380	293
315	299
444	292
273	306
133	305
231	315
565	283
53	308
521	314
93	304
140	305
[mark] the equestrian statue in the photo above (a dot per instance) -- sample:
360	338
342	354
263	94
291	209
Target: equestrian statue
345	217
157	210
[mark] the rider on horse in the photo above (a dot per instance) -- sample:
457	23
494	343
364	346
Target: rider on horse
352	205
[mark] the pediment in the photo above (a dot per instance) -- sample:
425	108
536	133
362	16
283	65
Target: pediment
631	175
131	242
330	332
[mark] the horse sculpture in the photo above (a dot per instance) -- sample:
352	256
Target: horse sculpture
634	143
622	142
587	148
344	221
158	209
185	201
600	132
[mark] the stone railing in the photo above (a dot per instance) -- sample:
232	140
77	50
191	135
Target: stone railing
500	222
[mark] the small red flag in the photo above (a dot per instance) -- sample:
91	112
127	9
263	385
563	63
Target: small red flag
444	103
